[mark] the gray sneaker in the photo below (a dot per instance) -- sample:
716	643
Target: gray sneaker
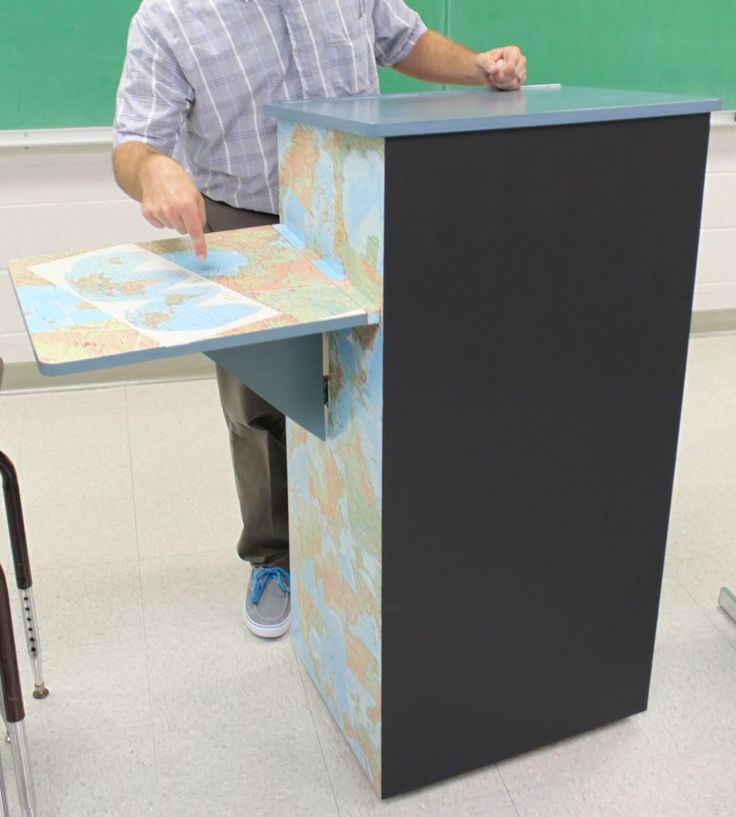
267	607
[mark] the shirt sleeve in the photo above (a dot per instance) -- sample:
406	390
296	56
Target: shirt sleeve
153	96
397	30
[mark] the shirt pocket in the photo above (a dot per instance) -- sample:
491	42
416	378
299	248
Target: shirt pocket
345	47
339	21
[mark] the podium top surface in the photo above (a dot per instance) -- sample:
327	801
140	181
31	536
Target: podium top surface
485	109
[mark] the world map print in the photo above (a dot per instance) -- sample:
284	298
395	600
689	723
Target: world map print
161	299
332	202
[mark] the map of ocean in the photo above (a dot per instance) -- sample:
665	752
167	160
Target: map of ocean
49	309
218	262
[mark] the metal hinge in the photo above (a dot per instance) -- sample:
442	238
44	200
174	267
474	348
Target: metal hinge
326	389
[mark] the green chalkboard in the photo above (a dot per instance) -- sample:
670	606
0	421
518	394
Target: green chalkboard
678	46
61	59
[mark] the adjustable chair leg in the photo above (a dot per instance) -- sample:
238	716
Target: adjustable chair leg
19	547
33	641
13	706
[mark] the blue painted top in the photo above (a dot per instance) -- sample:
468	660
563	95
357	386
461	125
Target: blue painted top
485	109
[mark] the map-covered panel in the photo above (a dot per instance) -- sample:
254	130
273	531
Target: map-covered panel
331	189
332	203
134	299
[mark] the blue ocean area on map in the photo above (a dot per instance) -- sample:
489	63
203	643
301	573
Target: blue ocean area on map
218	262
363	198
332	268
187	311
297	216
47	309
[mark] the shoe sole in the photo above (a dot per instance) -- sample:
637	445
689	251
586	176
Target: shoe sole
266	630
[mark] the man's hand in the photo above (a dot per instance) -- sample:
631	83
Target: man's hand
168	197
435	58
503	68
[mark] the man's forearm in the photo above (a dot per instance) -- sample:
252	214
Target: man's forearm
436	59
128	162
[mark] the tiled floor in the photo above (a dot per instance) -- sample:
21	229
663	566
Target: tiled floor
162	705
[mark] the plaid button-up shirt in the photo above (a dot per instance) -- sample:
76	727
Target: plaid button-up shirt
198	72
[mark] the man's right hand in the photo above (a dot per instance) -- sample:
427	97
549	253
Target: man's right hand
168	197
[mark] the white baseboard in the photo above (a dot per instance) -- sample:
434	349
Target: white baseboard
713	322
24	376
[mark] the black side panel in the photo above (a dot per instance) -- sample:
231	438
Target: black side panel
537	306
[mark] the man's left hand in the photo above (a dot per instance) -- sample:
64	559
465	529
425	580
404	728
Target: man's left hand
502	68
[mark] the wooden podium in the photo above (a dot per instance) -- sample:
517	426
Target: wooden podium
479	497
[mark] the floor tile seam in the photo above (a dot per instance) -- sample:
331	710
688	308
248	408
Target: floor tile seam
81	497
146	559
47	507
91	644
153	450
93	732
69	564
508	791
75	493
566	781
212	486
88	441
316	730
133	491
603	770
180	472
59	403
47	406
143	605
65	649
101	447
22	427
50	568
559	780
194	557
149	433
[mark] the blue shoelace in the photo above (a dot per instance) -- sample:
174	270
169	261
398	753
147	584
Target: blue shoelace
263	577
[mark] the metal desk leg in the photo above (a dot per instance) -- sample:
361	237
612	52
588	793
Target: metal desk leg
727	600
13	706
19	547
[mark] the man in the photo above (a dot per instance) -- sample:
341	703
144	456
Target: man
193	145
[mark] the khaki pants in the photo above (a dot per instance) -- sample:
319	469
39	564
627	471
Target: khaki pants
257	438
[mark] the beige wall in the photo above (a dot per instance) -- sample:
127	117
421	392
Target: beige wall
716	280
53	200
